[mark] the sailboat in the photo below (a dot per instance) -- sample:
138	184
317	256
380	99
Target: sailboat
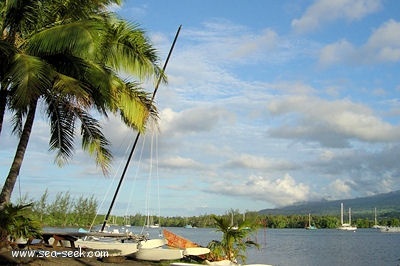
346	226
118	247
309	226
376	225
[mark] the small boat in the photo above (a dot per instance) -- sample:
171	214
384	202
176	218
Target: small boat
309	226
176	241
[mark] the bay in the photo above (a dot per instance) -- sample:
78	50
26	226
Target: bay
294	247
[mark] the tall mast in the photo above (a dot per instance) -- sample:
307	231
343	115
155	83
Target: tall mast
341	213
138	134
349	216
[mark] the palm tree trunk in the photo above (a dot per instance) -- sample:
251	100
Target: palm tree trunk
3	102
19	156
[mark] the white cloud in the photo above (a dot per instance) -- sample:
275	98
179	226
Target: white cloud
331	123
179	162
255	162
382	46
280	191
192	120
384	43
339	189
336	53
325	11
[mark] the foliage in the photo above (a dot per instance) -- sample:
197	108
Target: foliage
65	210
17	222
67	56
234	240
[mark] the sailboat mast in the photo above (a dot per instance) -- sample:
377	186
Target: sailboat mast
138	134
349	216
341	213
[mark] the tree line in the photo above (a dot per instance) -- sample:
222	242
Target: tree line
65	210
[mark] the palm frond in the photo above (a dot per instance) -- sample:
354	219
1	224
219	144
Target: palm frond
94	141
62	130
79	38
125	47
7	52
29	77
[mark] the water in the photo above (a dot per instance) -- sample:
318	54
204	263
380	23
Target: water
331	247
294	247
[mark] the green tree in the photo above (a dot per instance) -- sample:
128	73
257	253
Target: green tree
66	55
234	240
84	209
60	208
41	207
16	222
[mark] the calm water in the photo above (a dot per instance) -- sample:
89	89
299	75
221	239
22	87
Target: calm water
300	247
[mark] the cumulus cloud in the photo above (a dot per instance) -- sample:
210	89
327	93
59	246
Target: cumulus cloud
227	42
331	123
280	191
382	46
325	11
192	120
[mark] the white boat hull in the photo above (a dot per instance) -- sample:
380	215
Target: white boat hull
153	243
114	248
158	254
196	251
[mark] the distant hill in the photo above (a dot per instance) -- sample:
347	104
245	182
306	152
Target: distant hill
387	205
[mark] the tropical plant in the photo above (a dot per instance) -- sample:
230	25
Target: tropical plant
235	240
66	56
16	222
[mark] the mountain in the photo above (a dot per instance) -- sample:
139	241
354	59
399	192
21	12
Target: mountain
387	204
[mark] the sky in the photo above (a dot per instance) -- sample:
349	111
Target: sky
268	103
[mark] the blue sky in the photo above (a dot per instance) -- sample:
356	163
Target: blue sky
268	103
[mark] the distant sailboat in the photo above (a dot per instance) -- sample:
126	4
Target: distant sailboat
376	226
346	226
309	226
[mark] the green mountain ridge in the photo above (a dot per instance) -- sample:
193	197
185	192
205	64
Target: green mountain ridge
386	204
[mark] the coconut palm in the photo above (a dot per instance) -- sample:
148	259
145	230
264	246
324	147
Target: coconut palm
69	63
235	240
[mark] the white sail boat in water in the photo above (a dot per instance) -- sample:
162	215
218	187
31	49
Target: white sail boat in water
346	226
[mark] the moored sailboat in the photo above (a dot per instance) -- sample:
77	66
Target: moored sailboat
346	226
309	226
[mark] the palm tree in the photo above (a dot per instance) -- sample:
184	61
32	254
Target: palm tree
68	62
234	240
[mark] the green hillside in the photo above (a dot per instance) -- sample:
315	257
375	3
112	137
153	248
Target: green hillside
387	205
